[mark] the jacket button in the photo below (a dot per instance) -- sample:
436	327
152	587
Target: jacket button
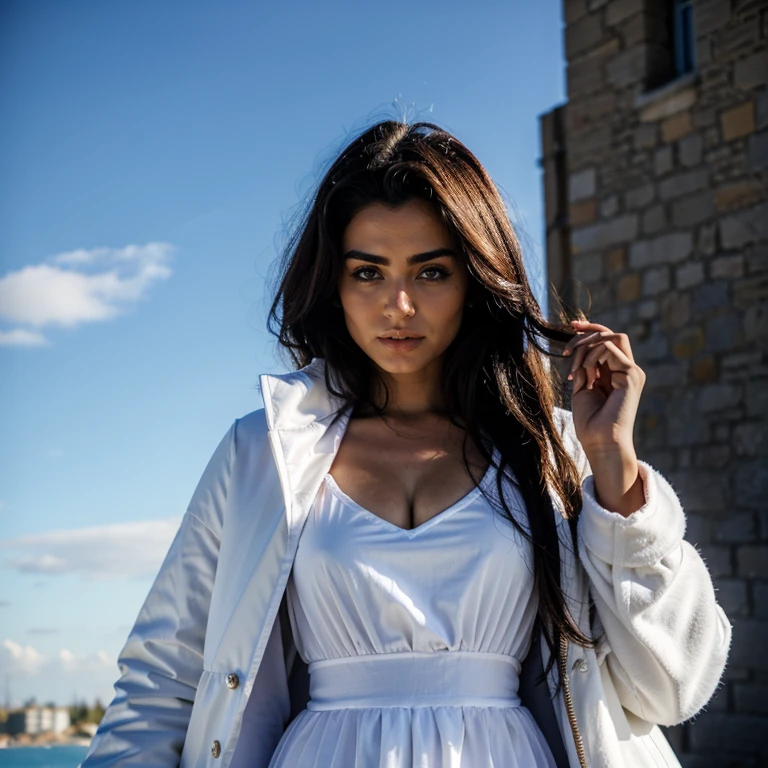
232	681
216	748
581	665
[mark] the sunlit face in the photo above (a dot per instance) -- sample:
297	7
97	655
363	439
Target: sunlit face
402	274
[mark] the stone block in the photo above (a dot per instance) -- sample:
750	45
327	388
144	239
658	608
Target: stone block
674	311
760	595
688	343
721	734
645	136
692	210
752	71
652	348
573	10
713	456
717	559
747	650
588	109
697	529
756	323
628	288
665	249
588	268
667	376
582	184
689	150
751	698
689	274
739	528
731	595
757	258
663	102
627	67
753	561
750	484
609	207
582	212
738	121
710	296
663	161
617	260
756	398
761	110
582	35
639	197
585	75
744	227
655	281
717	397
593	237
750	439
757	152
676	126
647	309
739	194
698	490
618	10
730	266
734	39
711	16
707	242
704	370
684	183
654	220
724	332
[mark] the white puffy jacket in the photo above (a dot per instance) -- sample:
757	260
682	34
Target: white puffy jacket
210	664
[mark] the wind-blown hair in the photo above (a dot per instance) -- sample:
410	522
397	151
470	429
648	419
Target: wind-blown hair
496	377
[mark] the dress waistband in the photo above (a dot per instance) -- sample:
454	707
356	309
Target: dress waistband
414	679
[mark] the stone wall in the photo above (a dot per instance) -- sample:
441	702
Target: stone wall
658	210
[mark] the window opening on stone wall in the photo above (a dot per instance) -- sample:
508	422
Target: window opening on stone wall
682	37
671	41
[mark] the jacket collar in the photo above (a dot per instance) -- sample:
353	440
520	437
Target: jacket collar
300	400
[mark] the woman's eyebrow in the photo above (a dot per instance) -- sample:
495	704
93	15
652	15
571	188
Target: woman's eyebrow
417	258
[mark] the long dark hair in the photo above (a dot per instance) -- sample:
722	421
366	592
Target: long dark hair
496	378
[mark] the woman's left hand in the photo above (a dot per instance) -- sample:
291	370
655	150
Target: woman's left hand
606	388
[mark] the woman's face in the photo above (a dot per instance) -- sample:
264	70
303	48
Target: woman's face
402	275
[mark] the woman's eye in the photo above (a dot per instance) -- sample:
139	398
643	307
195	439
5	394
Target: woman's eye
437	273
357	274
441	273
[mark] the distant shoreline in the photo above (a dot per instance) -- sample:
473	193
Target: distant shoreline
84	742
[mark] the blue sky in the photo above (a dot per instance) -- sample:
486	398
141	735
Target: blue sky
153	154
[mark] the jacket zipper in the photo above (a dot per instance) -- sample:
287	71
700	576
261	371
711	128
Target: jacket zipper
563	663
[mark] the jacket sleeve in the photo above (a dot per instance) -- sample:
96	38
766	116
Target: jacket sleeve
666	639
162	660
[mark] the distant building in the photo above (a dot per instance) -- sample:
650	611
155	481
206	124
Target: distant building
34	720
655	178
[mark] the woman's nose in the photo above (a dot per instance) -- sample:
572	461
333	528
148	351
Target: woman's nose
400	303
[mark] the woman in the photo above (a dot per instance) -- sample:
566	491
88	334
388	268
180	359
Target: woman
411	555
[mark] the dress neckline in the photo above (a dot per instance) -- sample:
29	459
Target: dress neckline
411	532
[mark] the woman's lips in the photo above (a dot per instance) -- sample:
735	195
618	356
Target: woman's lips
401	345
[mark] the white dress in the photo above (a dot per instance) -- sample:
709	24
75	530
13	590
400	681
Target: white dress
413	638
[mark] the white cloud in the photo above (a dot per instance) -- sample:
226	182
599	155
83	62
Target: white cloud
29	673
122	550
20	658
20	337
77	287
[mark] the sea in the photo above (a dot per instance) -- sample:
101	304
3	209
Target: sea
42	757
